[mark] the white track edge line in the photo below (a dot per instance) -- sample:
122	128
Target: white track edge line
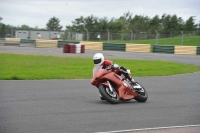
144	129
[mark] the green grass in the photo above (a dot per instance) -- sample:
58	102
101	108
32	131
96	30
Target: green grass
188	41
28	67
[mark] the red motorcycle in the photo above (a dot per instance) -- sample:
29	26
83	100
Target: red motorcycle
115	88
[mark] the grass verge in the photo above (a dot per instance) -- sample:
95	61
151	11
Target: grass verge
29	67
187	41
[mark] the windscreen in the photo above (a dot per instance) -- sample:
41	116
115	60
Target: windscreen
96	69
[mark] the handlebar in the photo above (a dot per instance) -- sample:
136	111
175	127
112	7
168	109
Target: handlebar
108	68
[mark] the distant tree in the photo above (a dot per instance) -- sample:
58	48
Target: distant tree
103	24
167	24
174	25
125	21
198	29
25	27
3	30
189	25
155	24
171	25
91	23
115	25
53	24
36	27
181	24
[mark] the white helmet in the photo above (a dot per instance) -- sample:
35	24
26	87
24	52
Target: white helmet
98	59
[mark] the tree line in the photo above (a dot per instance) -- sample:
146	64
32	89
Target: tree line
165	24
53	24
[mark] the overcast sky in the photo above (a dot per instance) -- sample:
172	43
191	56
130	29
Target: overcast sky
38	12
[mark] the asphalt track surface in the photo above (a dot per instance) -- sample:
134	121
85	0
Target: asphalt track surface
73	106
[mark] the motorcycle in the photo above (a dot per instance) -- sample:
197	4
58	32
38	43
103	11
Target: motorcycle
116	88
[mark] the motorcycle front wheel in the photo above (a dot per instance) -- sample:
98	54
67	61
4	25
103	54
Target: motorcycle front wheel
142	95
111	97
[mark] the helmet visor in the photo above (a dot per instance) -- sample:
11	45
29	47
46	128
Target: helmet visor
97	61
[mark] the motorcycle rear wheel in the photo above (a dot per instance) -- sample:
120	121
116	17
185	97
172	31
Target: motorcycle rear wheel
111	97
142	95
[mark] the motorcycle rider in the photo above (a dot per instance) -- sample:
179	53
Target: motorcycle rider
99	61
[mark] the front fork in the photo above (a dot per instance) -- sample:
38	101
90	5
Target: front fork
110	87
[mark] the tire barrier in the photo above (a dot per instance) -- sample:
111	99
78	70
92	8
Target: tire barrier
73	48
92	45
78	48
65	48
46	43
27	43
191	50
163	49
138	48
12	41
82	48
114	46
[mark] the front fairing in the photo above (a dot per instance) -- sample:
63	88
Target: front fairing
102	75
98	76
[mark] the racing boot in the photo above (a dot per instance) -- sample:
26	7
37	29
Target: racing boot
129	77
131	80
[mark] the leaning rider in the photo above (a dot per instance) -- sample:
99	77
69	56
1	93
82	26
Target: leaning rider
99	61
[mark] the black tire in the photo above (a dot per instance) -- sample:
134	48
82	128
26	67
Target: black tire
102	98
142	95
111	97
